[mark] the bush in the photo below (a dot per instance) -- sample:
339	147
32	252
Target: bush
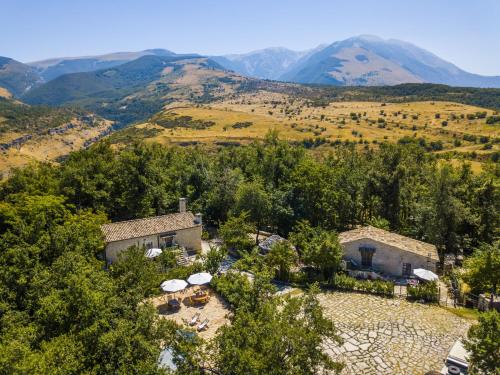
427	292
377	287
232	286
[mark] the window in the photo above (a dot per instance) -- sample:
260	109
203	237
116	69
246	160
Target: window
366	256
167	241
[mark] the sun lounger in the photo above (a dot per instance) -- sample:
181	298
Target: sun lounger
203	326
194	319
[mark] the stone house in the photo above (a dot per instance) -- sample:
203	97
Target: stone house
182	228
376	249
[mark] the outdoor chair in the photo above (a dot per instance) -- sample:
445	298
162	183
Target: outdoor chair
194	319
203	326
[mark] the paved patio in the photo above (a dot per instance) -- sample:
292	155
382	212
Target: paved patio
215	310
390	336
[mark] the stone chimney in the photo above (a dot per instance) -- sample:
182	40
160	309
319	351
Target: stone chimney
182	204
197	219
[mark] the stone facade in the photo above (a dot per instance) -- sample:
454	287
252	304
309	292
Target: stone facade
386	258
190	238
380	250
182	228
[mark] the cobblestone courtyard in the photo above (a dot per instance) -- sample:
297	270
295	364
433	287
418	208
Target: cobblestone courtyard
390	336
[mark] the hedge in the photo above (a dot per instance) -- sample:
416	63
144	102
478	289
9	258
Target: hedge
377	287
427	292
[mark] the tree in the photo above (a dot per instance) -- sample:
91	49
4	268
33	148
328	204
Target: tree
281	336
482	269
283	257
483	344
253	199
137	276
213	259
318	248
235	233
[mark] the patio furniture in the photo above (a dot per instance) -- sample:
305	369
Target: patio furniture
194	319
199	297
200	278
203	326
425	275
152	253
173	285
174	304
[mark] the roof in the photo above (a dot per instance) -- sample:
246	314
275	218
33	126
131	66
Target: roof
389	238
124	230
268	243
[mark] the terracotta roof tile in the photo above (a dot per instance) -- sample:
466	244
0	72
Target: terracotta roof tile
391	239
123	230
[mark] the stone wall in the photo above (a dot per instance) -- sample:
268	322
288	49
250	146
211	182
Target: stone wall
189	238
387	259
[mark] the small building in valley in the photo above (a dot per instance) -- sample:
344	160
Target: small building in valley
182	228
376	249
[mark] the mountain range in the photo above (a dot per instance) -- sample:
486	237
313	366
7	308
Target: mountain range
358	61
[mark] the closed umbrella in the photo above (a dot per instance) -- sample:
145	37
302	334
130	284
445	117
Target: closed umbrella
425	275
153	253
173	285
200	278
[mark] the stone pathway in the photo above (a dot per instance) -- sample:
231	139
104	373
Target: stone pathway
390	336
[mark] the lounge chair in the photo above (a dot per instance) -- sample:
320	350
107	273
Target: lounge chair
194	319
203	326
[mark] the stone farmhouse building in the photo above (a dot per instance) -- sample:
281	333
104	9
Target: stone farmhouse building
182	229
376	249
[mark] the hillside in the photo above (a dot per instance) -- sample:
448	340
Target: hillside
137	89
16	77
43	133
436	126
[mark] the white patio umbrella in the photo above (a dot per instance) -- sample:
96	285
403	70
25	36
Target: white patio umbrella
200	278
153	253
424	274
173	285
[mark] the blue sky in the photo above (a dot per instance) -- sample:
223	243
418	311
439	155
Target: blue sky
465	32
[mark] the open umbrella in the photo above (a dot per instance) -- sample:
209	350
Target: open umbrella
425	275
153	253
173	285
200	278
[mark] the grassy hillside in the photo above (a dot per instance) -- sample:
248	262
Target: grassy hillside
436	126
488	98
21	118
44	133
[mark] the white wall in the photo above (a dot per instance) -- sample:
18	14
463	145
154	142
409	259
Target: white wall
189	238
387	258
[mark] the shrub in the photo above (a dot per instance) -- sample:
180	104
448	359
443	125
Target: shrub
427	292
378	287
493	120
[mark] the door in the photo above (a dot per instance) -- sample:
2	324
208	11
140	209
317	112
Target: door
406	269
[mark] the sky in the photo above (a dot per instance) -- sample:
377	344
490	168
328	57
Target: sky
464	32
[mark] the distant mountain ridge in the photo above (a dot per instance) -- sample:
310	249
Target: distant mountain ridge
50	69
359	61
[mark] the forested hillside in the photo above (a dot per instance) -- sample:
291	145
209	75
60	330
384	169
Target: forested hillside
60	312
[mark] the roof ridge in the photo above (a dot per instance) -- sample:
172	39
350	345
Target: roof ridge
146	218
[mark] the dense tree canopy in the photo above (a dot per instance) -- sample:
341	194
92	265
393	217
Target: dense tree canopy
62	312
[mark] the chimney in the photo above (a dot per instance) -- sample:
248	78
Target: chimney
197	219
182	204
